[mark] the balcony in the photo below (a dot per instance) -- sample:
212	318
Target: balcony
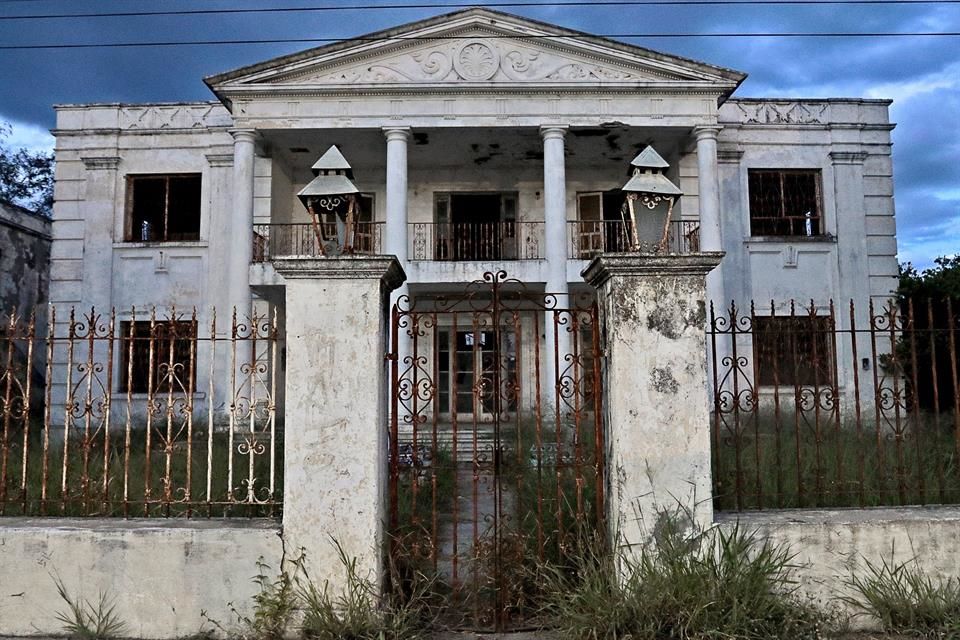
588	238
300	239
458	242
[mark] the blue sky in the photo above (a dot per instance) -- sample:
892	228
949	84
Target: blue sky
921	74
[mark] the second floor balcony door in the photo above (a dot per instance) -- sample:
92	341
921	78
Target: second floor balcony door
476	226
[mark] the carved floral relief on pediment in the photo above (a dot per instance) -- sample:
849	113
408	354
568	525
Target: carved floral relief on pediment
476	60
783	112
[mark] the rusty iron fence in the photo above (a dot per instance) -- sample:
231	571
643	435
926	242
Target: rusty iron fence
820	406
506	240
140	413
496	443
590	238
276	240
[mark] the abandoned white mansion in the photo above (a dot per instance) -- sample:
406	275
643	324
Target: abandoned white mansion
479	141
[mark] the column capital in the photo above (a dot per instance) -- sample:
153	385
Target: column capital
707	131
397	133
553	131
243	135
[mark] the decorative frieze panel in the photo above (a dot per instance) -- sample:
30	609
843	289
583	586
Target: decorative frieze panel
771	112
478	60
191	116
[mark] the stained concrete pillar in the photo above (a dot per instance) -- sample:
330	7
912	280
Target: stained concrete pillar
335	446
655	372
556	339
708	176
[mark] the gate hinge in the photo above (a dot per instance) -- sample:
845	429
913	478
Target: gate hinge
390	357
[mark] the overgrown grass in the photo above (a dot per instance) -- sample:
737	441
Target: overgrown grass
80	483
691	584
772	464
86	620
290	604
905	599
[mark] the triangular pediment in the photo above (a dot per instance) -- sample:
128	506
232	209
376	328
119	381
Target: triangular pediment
477	47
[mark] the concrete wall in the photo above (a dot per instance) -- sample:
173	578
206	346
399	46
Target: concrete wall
162	574
832	544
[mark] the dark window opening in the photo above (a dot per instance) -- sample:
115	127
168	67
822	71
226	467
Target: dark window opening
785	203
163	208
172	347
794	350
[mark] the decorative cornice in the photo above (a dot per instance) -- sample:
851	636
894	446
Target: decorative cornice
634	265
729	156
220	159
386	269
848	157
101	162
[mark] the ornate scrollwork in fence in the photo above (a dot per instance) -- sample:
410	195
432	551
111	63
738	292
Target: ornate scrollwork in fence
139	413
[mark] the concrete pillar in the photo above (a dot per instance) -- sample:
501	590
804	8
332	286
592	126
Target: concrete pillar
335	449
241	225
555	241
711	236
655	372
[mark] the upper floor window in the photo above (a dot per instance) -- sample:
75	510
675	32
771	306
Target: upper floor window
785	202
163	208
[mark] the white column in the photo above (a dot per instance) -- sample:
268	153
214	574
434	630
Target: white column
395	239
395	242
556	338
241	220
711	238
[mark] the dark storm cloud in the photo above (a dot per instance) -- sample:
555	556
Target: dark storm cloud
921	74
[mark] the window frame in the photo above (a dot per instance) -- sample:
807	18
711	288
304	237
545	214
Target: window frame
818	231
145	332
130	234
814	367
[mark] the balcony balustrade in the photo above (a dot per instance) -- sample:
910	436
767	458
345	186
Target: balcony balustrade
588	238
456	241
300	239
447	241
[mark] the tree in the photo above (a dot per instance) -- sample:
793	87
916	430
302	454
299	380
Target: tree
26	178
929	303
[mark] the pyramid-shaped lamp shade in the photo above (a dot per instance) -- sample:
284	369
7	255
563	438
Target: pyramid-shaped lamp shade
648	176
333	178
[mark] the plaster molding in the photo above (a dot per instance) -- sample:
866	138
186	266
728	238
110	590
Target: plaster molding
386	269
609	265
101	162
848	157
729	156
183	116
220	159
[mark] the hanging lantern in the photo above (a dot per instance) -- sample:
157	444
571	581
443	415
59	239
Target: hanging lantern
331	200
650	188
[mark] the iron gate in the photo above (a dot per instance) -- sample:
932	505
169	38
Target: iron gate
496	443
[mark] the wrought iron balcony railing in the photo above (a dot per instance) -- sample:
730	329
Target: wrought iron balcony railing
588	238
455	241
300	239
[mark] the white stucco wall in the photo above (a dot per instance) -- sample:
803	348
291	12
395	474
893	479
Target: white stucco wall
161	574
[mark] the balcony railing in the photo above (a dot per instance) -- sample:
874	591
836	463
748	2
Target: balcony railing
276	240
455	241
591	237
